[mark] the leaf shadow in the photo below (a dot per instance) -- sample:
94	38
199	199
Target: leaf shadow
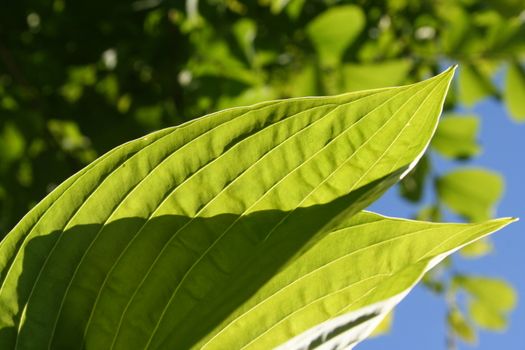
239	264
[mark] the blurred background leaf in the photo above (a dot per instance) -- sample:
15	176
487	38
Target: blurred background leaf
471	192
456	136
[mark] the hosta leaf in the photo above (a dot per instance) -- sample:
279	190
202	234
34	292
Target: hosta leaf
471	192
515	91
132	251
456	136
345	285
334	30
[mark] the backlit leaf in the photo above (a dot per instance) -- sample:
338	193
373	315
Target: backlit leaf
496	293
375	75
477	249
515	91
474	85
460	326
487	317
456	136
174	239
334	30
349	281
471	192
413	185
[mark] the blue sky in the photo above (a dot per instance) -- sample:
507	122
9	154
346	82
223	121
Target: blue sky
420	318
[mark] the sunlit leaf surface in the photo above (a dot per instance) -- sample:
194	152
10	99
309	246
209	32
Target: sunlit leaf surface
234	230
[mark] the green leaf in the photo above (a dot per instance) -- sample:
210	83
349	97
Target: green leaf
456	31
302	82
413	185
509	8
496	293
473	85
460	326
161	240
295	8
334	30
429	213
375	75
456	136
477	249
245	31
248	96
487	317
515	91
277	6
12	145
491	300
349	281
471	192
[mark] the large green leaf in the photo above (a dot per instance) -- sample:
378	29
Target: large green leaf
343	287
133	250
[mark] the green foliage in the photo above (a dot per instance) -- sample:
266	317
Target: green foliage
334	30
477	249
119	70
384	326
471	192
515	90
460	326
456	136
79	78
490	300
473	85
237	230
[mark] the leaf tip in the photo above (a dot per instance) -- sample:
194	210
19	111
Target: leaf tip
449	72
507	221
